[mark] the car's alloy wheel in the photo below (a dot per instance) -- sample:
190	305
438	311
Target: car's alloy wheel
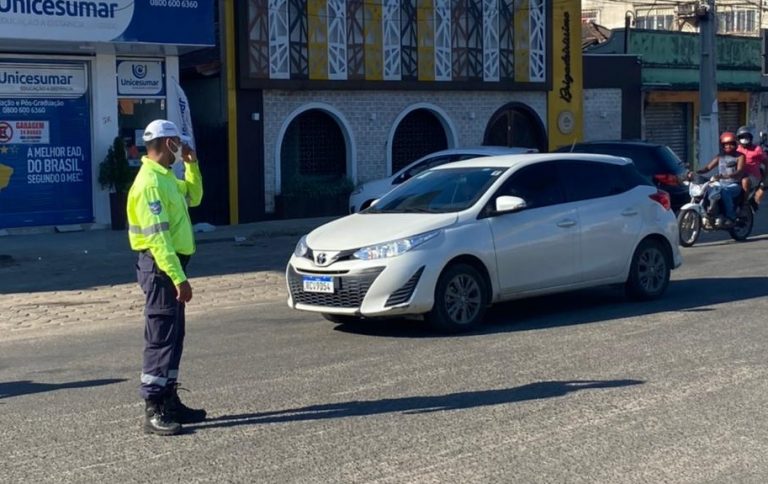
689	226
650	271
461	298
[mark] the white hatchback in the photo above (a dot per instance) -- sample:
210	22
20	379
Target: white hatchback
361	198
455	239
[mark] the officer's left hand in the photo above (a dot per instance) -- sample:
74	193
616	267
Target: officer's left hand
188	154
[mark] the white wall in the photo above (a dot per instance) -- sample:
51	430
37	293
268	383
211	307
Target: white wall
103	126
372	114
602	114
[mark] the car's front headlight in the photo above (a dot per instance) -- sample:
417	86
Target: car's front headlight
301	248
395	247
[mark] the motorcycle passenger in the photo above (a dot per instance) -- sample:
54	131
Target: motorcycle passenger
730	165
755	160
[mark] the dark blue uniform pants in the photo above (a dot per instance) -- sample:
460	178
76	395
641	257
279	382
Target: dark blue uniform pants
163	329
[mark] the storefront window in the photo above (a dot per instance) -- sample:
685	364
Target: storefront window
134	116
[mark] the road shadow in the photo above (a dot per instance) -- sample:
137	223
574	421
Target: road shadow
416	405
586	306
28	387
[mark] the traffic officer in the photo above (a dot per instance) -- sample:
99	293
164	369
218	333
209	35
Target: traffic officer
161	231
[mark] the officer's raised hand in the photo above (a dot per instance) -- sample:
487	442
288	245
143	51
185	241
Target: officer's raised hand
184	292
187	153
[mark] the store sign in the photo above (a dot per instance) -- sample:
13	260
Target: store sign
565	100
182	22
45	153
140	78
42	80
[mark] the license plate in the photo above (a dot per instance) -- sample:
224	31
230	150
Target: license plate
322	284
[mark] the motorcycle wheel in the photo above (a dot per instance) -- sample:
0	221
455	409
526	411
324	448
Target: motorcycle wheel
744	224
689	227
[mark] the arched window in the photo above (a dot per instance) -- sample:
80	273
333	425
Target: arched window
313	147
516	124
418	134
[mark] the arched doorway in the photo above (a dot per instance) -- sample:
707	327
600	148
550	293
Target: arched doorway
516	124
313	166
419	133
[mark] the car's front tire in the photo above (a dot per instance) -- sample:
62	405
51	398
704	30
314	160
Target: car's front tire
650	271
461	299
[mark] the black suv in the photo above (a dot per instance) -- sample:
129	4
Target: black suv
659	164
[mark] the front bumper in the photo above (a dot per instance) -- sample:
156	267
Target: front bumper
402	285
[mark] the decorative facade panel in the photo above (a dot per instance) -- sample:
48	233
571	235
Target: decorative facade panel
374	56
442	40
506	39
317	11
297	13
408	41
278	40
490	40
391	38
337	39
355	40
538	45
475	39
459	34
258	39
500	42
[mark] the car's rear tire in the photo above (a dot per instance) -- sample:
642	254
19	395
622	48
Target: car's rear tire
342	318
461	299
650	271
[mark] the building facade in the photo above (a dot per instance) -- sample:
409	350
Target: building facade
338	92
73	76
669	105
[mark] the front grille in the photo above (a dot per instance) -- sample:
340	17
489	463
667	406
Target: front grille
350	290
403	294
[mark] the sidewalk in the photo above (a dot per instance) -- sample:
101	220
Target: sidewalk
80	280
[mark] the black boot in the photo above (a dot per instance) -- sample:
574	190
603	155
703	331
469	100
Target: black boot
157	422
178	411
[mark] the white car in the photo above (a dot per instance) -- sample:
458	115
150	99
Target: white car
457	238
365	194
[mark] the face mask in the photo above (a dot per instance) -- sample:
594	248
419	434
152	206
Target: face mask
745	141
177	157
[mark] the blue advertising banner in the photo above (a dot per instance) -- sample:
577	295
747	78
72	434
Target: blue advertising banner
45	145
178	22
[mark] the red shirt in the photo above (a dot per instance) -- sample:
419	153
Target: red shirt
754	158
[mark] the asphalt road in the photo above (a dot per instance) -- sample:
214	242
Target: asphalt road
584	387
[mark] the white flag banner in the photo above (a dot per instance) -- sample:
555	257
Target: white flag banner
180	113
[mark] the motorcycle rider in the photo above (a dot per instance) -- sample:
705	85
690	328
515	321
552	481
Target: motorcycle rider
730	165
755	162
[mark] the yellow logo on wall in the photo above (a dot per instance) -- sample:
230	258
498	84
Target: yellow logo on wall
5	175
566	99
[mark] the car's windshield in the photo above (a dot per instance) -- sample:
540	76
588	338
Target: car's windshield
438	191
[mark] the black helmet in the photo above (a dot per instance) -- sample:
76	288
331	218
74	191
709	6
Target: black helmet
743	132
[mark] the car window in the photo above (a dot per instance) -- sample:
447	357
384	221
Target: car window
585	180
642	156
439	191
421	167
537	184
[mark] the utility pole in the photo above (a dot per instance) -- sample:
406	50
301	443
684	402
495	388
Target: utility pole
708	123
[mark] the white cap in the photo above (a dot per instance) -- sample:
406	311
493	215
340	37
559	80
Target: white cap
161	128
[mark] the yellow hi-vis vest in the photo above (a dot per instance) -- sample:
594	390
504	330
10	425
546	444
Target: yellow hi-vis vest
158	217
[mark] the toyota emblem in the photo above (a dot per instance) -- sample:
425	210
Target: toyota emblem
322	258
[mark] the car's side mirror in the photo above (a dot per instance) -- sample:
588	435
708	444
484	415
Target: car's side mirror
507	204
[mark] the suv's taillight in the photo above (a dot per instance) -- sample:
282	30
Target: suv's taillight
667	179
662	198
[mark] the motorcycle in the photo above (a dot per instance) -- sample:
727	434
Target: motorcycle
703	212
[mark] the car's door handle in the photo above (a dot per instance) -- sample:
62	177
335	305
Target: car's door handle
566	223
629	212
